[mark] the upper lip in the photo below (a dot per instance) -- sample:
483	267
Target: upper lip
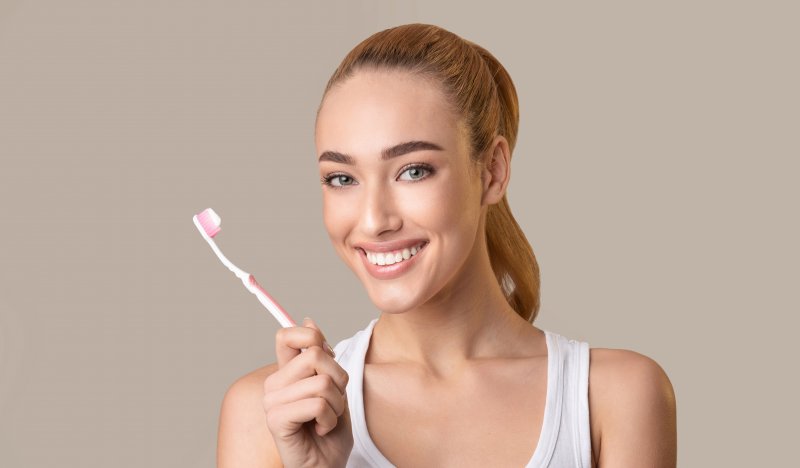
389	245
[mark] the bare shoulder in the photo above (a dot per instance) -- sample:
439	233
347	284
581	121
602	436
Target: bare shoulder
632	410
243	439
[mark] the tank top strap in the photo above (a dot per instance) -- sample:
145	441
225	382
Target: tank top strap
568	440
350	354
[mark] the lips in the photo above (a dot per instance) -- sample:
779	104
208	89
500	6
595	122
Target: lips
394	256
387	253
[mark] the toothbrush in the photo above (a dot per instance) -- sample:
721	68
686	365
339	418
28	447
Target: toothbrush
208	223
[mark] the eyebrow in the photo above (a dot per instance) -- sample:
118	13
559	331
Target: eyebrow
386	154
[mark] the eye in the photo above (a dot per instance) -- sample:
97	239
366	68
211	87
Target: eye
338	180
416	172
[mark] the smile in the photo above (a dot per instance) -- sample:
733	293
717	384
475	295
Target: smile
390	260
395	256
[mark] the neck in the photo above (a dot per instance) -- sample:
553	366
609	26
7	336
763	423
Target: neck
469	319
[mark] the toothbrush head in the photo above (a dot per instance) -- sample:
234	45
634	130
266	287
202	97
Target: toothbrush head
208	224
210	221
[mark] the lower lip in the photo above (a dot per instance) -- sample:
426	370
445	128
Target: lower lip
386	272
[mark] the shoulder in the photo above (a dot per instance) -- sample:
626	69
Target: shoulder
632	404
243	438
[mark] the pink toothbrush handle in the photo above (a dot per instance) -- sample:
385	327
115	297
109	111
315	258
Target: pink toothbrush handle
269	298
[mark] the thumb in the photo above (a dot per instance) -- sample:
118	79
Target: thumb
309	322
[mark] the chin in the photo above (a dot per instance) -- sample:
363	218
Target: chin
393	300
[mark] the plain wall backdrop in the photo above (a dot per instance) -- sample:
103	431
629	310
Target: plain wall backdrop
655	175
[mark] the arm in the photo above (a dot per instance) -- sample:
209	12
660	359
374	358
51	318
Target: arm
244	439
635	412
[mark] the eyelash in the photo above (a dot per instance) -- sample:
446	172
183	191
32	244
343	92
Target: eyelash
430	171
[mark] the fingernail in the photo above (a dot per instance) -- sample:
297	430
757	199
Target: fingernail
306	320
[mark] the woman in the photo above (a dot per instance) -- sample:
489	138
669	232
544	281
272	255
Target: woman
414	134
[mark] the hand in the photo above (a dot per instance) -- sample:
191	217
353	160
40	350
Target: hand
305	401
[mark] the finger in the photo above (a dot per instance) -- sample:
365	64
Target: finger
286	420
309	322
290	340
321	385
313	361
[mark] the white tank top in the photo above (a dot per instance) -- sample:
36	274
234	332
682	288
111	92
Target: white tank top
565	440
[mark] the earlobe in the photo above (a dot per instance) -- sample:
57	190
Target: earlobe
496	172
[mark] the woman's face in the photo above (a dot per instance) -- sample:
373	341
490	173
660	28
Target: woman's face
401	202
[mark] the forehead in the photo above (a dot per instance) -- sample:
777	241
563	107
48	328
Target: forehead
376	109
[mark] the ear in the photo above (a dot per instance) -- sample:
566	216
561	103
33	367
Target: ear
496	171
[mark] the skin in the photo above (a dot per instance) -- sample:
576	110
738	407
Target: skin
446	340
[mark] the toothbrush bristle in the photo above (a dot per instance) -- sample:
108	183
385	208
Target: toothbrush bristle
210	221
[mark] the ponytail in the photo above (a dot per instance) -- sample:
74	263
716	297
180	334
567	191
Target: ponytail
512	258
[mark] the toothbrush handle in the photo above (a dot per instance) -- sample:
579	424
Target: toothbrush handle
277	311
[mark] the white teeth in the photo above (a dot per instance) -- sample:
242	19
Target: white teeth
390	258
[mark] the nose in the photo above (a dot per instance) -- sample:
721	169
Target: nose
379	213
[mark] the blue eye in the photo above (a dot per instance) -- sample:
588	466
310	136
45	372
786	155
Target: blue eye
342	180
337	180
416	172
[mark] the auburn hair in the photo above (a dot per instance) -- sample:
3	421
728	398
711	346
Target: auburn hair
480	90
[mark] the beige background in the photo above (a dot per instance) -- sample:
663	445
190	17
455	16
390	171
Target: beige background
655	175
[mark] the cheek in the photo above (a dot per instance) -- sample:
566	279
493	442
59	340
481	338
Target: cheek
450	204
448	211
337	214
